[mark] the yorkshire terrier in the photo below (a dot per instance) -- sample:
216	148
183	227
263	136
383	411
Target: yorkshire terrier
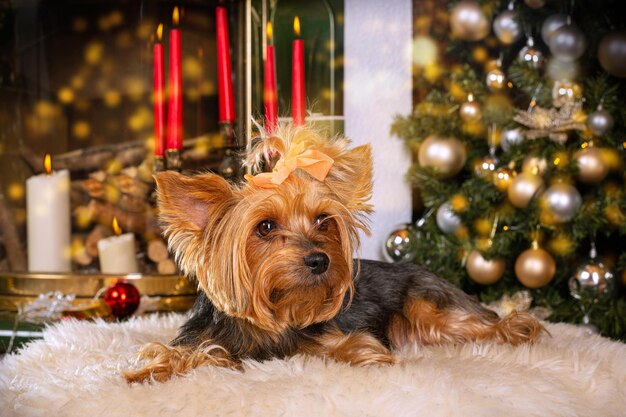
273	259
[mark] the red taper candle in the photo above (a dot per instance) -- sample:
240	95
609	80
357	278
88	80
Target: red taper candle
298	94
159	96
224	80
270	97
175	103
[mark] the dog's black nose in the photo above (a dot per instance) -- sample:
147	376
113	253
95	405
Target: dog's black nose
317	262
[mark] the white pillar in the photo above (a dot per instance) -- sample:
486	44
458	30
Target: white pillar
377	86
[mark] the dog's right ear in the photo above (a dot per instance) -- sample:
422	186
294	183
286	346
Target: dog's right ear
188	204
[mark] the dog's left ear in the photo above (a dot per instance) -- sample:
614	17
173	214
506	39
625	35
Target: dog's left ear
351	178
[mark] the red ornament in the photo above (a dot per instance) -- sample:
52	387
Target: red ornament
123	298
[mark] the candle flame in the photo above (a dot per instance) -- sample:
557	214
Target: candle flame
269	31
116	227
296	26
160	32
47	163
175	16
470	97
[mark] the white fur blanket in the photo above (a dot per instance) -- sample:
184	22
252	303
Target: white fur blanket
75	371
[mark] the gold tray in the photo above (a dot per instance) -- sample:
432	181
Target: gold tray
88	285
175	293
10	303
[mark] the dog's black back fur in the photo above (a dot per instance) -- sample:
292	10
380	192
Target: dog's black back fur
381	291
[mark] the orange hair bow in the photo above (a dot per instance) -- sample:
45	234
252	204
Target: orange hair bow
316	163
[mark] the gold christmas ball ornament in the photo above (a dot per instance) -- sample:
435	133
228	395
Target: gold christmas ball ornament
523	188
535	267
485	167
484	271
502	178
495	80
612	53
564	92
534	164
591	165
470	110
446	156
468	22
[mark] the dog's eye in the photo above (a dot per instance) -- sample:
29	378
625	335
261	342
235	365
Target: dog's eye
266	227
321	222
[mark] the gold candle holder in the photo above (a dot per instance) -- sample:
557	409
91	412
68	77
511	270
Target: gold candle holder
231	166
159	164
173	159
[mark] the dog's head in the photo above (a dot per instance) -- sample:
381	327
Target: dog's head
276	249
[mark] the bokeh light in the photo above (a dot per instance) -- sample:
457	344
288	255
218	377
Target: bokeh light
425	51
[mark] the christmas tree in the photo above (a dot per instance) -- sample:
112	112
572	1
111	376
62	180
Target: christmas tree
518	134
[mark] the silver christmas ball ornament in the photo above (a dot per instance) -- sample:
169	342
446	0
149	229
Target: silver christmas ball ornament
511	137
612	53
468	22
530	55
550	25
591	280
397	246
568	43
561	201
600	122
507	28
447	220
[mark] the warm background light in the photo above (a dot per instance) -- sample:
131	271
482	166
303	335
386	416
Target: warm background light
269	30
47	163
116	227
296	26
175	16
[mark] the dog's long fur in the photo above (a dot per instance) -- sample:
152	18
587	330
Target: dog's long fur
275	267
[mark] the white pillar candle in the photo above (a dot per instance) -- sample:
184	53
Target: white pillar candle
117	254
48	221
